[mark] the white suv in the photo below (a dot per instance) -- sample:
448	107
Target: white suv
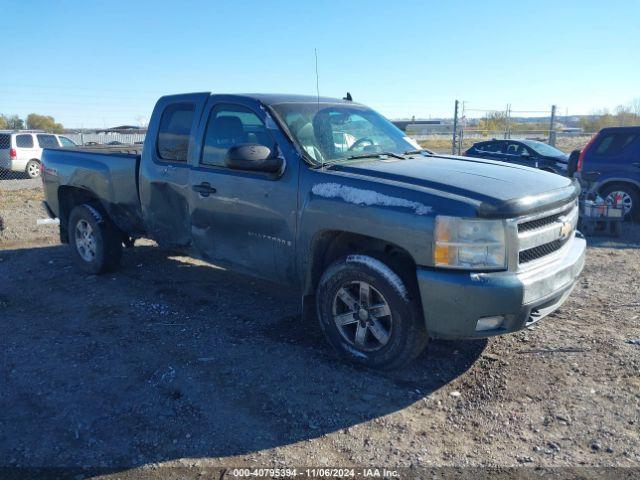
21	151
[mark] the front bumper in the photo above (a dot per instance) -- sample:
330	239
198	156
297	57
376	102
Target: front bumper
453	301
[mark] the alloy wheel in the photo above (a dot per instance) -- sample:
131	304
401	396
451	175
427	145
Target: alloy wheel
362	315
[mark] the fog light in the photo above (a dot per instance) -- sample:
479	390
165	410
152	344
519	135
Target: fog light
489	323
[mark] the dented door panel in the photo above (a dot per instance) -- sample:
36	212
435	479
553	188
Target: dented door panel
164	180
249	222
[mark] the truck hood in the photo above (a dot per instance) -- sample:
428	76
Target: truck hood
497	188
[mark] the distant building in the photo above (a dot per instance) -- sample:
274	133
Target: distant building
415	125
123	129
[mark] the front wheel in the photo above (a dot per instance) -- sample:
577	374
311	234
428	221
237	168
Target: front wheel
367	314
95	241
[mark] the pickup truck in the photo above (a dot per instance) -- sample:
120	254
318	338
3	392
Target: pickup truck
386	243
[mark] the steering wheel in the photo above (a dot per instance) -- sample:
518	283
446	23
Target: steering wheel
360	141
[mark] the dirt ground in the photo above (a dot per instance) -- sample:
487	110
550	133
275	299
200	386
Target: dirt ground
173	362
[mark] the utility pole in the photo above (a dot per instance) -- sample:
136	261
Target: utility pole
552	131
507	133
463	124
455	128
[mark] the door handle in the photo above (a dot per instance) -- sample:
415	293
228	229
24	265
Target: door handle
205	189
636	164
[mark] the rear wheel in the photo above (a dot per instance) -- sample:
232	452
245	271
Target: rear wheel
33	169
95	241
624	195
367	314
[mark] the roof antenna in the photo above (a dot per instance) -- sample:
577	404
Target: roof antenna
348	98
315	50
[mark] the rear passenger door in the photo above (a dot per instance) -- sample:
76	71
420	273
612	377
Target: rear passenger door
491	150
164	169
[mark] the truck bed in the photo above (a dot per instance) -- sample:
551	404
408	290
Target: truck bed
109	173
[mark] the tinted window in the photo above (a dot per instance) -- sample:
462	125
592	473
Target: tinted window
231	125
24	141
47	141
491	147
67	142
5	141
173	135
544	149
615	142
514	148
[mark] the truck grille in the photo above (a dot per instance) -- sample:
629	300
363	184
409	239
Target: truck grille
542	235
535	253
542	222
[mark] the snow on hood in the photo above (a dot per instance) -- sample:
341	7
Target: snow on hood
359	196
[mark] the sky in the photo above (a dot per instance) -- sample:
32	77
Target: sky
97	64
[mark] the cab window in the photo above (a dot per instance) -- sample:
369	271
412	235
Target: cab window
230	125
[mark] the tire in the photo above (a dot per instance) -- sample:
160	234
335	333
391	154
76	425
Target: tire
95	242
402	327
32	169
630	194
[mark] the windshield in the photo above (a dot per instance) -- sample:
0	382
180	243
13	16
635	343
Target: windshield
334	132
544	149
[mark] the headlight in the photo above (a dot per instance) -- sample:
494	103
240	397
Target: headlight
469	244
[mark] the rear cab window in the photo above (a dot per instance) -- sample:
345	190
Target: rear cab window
47	141
24	141
175	129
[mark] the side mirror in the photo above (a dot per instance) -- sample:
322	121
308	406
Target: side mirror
253	157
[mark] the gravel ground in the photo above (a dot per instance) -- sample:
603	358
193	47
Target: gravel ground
13	181
173	362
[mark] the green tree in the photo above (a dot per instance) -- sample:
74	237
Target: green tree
493	121
44	122
11	122
14	122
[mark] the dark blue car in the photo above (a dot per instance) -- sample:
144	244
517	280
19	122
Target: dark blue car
530	153
610	166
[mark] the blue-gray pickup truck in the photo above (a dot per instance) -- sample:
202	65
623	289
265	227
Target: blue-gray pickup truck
386	243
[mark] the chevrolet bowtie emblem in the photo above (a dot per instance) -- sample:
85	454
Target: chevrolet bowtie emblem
565	230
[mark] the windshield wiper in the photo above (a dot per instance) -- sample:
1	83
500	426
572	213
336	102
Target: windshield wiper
355	157
416	152
375	155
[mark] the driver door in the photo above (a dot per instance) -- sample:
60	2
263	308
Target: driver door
242	219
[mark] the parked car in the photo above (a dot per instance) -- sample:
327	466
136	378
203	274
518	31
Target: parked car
529	153
20	151
386	243
610	166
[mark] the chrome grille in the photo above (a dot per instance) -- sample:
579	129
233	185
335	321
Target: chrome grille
535	253
541	235
542	222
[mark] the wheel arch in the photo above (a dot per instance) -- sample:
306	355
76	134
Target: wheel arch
327	246
619	181
68	198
